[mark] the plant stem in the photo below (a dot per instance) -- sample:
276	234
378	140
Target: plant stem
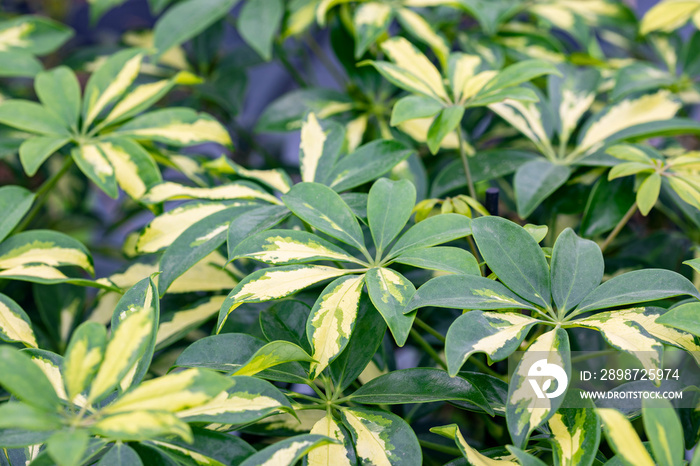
485	368
427	348
42	194
282	55
325	60
420	323
465	164
623	221
440	448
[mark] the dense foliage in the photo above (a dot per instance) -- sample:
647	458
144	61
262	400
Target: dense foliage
476	180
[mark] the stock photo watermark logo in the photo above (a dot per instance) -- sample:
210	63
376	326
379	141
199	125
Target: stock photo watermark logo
553	373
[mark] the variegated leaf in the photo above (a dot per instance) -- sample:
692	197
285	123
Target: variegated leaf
340	454
421	29
176	325
273	354
382	438
416	66
526	117
669	15
134	169
287	452
548	356
248	400
177	127
83	357
50	365
318	148
139	98
15	325
370	21
274	283
390	293
33	34
280	247
472	456
43	247
332	320
575	434
141	425
275	178
624	439
96	166
169	191
497	334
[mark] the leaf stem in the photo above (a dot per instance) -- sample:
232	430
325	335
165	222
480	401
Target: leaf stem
623	221
324	59
420	323
441	448
42	194
427	348
465	163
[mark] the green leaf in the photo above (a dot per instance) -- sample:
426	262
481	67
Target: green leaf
120	455
319	148
442	258
258	22
34	151
472	456
224	352
253	221
524	458
575	433
412	107
638	286
186	20
389	207
280	247
535	181
494	390
322	208
577	268
22	416
33	34
134	169
664	431
497	335
382	438
83	357
515	257
287	452
96	166
16	63
59	91
685	317
341	454
15	202
218	446
521	72
286	320
26	381
67	448
445	122
370	21
648	193
465	292
419	385
367	163
332	320
607	204
196	243
31	117
273	354
48	248
431	232
548	355
390	293
364	342
623	439
288	112
16	438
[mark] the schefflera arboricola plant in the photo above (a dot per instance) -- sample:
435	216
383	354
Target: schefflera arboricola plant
563	294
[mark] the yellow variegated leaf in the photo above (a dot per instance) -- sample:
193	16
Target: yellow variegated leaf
129	337
332	319
14	323
324	7
273	354
276	178
142	425
311	147
472	456
623	439
46	253
422	30
668	15
188	318
165	228
169	191
52	373
138	96
116	88
354	131
652	107
227	403
474	84
572	107
526	118
303	422
418	130
686	192
174	57
14	36
463	69
83	357
125	157
331	454
372	14
575	435
34	271
408	58
197	128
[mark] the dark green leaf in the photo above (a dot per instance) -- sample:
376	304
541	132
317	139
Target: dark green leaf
253	221
31	117
535	181
412	107
607	204
258	22
25	380
389	207
685	317
286	320
15	202
446	121
66	447
59	91
120	455
443	258
431	232
664	431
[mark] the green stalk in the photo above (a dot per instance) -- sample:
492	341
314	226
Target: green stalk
441	448
465	164
427	348
429	329
623	221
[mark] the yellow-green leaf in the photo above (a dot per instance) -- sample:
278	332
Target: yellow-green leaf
83	357
141	425
648	193
472	456
623	439
331	454
15	324
668	15
169	191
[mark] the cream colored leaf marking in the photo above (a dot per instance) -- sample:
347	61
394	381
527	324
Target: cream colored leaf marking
421	29
464	69
418	130
204	238
333	322
286	456
127	380
136	422
165	228
15	327
125	170
369	444
116	88
201	130
391	283
527	119
136	97
371	14
623	437
14	36
652	107
79	365
168	393
199	459
622	330
279	249
209	274
568	443
272	177
307	419
52	373
311	146
36	271
407	79
184	319
170	191
354	132
409	58
45	253
475	458
530	410
572	107
127	338
669	15
475	84
97	160
279	283
331	454
509	325
231	403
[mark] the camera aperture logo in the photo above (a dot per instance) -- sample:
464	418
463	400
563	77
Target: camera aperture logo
541	369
